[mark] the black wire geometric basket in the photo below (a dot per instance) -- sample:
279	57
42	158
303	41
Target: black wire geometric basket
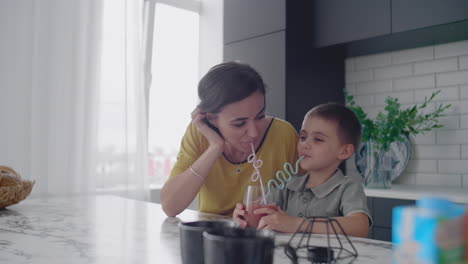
303	250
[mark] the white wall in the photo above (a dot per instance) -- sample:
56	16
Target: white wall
16	37
211	34
440	157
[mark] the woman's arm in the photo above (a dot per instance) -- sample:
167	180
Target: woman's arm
178	192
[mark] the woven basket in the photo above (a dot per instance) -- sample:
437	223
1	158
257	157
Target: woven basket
13	194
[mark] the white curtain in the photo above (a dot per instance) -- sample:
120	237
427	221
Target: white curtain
60	131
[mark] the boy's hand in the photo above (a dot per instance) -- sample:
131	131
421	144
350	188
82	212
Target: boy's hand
277	220
238	215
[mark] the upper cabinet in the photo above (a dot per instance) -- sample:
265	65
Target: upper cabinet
414	14
267	55
338	21
244	19
341	21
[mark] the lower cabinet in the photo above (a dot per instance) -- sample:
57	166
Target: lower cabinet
381	212
382	233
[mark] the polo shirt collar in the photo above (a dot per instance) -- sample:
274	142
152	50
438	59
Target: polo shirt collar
299	183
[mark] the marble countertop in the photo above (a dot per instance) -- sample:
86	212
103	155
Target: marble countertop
111	229
412	192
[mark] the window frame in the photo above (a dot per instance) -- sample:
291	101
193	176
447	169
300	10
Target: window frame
149	10
148	36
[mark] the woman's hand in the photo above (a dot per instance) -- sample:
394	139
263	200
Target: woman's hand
277	220
199	118
238	215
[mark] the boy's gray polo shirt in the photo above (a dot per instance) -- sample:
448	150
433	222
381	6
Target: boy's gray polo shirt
339	196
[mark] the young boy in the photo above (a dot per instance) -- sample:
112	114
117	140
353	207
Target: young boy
330	134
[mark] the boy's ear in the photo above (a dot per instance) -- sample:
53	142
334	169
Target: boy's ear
347	150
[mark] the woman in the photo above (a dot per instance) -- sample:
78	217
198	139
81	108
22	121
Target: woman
212	161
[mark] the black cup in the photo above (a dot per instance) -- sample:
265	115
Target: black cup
191	239
236	245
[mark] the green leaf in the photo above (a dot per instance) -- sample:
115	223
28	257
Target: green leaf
394	122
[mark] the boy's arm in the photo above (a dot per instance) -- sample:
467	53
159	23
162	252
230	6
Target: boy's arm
356	224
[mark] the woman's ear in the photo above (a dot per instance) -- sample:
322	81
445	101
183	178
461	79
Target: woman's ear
212	119
347	150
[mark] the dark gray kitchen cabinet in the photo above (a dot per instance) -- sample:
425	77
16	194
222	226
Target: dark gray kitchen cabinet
414	14
244	19
266	54
254	33
381	212
382	233
338	21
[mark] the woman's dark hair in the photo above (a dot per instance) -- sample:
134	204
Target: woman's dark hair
227	83
349	127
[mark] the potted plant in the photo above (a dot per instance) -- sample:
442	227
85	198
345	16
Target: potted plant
385	148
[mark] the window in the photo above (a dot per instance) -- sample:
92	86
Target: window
173	89
171	42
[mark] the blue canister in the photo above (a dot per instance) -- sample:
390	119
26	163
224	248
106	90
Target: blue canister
438	231
429	232
404	246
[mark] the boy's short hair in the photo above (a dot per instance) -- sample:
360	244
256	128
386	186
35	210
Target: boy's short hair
348	125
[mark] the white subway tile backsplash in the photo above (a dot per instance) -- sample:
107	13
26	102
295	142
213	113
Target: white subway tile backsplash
464	154
448	180
418	165
372	111
449	122
418	82
349	64
372	61
406	178
358	76
350	88
413	55
428	138
463	91
364	100
463	63
463	106
374	87
439	152
451	49
439	157
452	166
455	137
465	181
442	65
403	97
457	107
430	107
463	121
394	71
452	78
446	93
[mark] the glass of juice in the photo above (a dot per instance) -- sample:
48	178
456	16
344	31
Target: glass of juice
253	200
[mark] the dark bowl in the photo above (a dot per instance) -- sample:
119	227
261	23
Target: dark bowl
237	245
191	238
